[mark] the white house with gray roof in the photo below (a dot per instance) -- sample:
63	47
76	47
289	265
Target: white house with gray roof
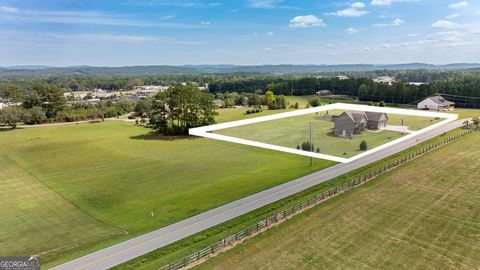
436	103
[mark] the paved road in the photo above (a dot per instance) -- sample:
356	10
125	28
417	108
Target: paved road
114	255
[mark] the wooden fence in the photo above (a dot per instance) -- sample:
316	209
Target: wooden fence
288	212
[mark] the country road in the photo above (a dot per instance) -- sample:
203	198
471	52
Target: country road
122	252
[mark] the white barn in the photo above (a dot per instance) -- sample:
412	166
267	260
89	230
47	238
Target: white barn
436	103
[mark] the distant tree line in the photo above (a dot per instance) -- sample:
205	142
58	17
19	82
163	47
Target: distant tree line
364	89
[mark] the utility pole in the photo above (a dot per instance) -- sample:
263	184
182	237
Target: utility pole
311	146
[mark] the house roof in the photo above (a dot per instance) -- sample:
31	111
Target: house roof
441	100
375	116
357	116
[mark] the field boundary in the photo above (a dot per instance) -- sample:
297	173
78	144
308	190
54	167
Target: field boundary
207	131
272	221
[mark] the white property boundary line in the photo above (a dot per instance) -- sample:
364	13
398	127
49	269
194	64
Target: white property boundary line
206	131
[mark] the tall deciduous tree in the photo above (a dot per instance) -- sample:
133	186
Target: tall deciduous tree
13	94
11	115
180	108
51	98
134	82
102	109
269	100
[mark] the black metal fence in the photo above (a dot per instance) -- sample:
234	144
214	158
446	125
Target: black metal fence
288	212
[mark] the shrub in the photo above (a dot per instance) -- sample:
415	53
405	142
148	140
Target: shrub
307	146
381	104
363	145
314	102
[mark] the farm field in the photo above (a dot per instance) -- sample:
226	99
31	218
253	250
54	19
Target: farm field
403	219
68	189
292	131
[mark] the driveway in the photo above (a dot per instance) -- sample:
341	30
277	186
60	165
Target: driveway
402	129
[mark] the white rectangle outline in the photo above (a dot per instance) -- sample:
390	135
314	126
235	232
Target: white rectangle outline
206	131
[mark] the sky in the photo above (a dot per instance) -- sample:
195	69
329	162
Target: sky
241	32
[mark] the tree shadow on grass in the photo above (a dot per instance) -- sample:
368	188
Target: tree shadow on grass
6	129
154	136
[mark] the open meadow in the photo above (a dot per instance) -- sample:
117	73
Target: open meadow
422	215
69	189
293	131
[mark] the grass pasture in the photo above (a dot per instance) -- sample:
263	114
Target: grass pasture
292	131
401	220
70	189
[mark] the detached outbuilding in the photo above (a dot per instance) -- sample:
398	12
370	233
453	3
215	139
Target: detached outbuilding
436	103
323	93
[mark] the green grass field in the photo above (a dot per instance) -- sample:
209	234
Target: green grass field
69	189
292	131
423	215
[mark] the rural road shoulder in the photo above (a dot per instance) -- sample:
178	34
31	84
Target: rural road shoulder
127	250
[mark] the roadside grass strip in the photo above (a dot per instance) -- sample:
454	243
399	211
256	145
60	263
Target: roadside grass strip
233	240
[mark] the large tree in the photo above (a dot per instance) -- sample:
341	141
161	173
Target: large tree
11	115
13	94
179	108
51	97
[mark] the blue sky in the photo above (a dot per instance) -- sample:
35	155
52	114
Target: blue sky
245	32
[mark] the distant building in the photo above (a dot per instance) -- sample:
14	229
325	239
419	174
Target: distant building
416	83
353	122
384	79
219	103
323	93
149	90
436	103
342	77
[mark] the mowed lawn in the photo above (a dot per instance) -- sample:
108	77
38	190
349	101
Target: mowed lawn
292	131
68	188
423	215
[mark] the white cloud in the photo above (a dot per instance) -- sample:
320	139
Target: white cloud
444	24
103	37
352	30
453	16
268	49
306	21
381	2
395	22
349	12
205	23
459	5
389	2
358	5
355	10
81	18
270	34
8	10
447	36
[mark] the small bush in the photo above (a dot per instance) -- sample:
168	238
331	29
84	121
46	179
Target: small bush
363	145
